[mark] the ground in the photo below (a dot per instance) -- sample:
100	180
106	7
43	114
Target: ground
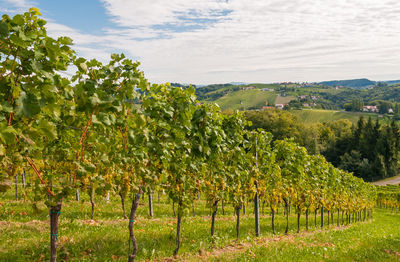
25	235
388	181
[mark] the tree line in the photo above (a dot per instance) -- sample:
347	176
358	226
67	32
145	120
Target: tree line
368	148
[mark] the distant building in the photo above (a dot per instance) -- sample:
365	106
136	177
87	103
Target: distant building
370	109
248	88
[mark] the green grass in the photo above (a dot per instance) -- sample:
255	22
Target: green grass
244	99
378	240
284	99
315	115
260	85
25	235
314	91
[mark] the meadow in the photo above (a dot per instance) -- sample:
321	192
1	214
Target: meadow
246	99
313	116
25	234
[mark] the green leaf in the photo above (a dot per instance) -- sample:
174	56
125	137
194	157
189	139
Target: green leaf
6	107
95	121
83	67
17	40
65	40
7	134
35	11
48	129
3	29
18	19
27	104
104	118
94	100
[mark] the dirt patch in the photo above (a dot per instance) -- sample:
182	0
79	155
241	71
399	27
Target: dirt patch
392	253
38	225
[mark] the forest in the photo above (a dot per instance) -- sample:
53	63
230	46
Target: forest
369	148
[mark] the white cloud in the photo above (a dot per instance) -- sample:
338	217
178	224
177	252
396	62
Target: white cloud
153	12
16	6
255	41
23	4
264	40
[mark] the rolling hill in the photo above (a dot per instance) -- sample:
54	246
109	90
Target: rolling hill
246	99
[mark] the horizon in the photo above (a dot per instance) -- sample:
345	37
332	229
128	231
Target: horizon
215	41
298	82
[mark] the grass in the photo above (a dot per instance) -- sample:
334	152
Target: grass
378	240
245	99
315	115
25	235
284	99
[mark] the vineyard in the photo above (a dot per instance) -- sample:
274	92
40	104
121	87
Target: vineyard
106	132
388	197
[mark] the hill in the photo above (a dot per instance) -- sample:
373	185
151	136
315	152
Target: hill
315	115
246	99
352	83
303	95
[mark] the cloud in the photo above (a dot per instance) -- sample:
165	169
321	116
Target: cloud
281	34
259	41
16	6
22	4
155	12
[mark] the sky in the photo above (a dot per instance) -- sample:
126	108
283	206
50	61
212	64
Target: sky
221	41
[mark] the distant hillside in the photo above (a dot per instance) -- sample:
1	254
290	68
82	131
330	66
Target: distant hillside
213	92
353	83
246	99
238	83
392	82
314	116
317	96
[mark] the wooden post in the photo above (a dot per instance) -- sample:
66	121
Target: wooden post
23	178
257	214
256	199
55	212
16	187
322	216
150	204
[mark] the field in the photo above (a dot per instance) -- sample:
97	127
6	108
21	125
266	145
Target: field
314	115
284	99
245	99
106	237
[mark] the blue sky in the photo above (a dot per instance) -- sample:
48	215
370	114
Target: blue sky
219	41
89	16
